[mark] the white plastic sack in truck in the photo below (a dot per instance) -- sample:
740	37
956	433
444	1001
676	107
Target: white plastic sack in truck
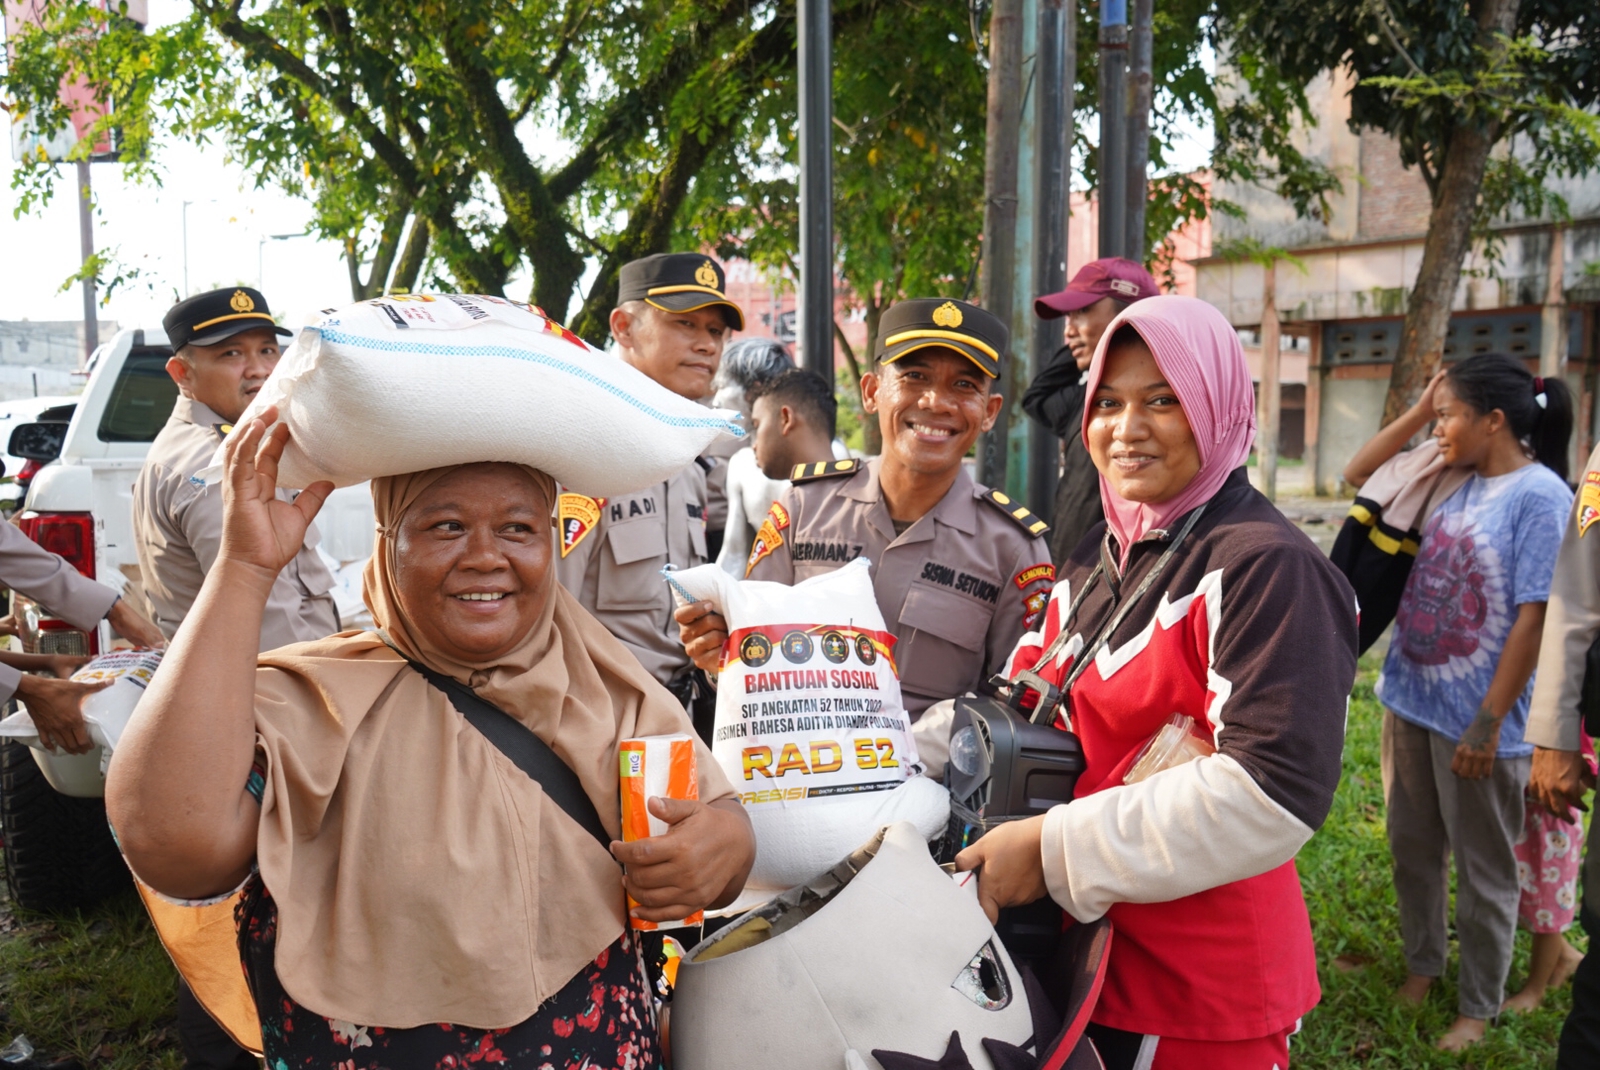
407	383
810	726
105	714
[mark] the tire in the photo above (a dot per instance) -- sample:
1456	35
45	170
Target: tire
59	854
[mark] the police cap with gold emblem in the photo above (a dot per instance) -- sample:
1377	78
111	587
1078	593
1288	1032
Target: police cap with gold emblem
208	318
926	322
678	282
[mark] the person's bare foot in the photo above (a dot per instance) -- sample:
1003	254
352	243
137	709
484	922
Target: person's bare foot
1566	965
1414	990
1526	1000
1462	1035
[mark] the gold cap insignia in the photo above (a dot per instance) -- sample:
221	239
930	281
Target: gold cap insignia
240	302
706	275
947	315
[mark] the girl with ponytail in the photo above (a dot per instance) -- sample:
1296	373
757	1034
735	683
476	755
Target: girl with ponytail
1458	674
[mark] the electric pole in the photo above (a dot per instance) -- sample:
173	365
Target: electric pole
1140	87
91	316
816	187
1113	127
1055	71
1000	213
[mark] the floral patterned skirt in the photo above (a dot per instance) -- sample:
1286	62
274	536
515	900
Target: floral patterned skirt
1548	855
601	1020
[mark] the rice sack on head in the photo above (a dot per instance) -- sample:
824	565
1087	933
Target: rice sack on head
810	725
419	381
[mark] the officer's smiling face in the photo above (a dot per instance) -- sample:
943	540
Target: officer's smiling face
932	405
226	377
679	350
472	558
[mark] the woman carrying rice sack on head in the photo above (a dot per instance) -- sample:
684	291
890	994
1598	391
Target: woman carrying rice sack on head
1244	627
411	896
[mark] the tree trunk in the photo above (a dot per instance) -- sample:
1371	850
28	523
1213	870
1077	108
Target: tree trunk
412	258
1455	206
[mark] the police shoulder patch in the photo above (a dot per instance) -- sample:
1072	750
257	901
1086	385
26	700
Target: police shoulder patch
823	469
1588	502
1018	512
576	516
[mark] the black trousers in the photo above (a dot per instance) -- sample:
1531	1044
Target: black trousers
1580	1036
205	1045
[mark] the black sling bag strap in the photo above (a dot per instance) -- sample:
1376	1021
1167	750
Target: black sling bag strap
525	749
1103	636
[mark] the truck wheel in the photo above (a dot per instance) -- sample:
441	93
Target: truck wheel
59	854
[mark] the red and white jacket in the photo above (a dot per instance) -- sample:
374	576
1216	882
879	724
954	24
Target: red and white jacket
1252	632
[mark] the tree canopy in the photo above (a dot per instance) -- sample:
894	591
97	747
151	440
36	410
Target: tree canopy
1488	100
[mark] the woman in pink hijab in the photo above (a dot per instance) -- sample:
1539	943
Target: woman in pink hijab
1195	603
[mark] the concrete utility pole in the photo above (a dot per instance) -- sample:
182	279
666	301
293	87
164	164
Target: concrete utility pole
1000	210
91	315
816	186
1269	402
1140	89
1113	127
1055	70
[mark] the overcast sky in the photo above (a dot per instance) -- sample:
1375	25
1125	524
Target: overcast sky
229	236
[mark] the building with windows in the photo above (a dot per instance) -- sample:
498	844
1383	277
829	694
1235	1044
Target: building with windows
1342	298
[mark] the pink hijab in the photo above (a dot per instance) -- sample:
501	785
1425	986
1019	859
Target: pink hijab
1199	353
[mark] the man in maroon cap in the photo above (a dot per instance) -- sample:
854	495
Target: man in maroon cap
1099	291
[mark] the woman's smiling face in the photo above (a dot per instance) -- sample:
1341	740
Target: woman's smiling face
472	558
1139	437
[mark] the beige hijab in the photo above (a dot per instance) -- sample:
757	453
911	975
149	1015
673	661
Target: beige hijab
419	875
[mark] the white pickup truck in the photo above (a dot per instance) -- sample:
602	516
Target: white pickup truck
57	848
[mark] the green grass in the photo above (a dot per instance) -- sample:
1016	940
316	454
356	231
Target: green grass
96	986
1346	875
99	986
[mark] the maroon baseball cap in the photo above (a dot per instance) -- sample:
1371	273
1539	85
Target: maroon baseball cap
1111	277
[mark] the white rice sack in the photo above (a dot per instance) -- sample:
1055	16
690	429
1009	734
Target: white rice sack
105	714
406	383
810	726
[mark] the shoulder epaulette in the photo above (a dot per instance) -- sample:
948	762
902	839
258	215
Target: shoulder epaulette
1017	512
823	469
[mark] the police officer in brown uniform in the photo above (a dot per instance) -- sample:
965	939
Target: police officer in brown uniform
671	320
225	344
961	572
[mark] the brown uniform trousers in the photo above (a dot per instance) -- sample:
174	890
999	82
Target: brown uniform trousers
613	568
957	589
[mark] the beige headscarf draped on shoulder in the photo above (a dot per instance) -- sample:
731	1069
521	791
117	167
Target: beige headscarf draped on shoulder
419	875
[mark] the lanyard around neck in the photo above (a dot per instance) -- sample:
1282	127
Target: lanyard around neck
1103	635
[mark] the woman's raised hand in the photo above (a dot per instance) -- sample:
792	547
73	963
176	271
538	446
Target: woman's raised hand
258	528
1424	403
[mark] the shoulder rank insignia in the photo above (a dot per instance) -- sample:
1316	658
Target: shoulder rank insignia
823	469
578	515
1017	512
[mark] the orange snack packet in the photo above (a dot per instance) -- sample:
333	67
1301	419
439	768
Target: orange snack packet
655	766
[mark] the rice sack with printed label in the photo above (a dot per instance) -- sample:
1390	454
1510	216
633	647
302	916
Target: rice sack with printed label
810	726
105	714
418	381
